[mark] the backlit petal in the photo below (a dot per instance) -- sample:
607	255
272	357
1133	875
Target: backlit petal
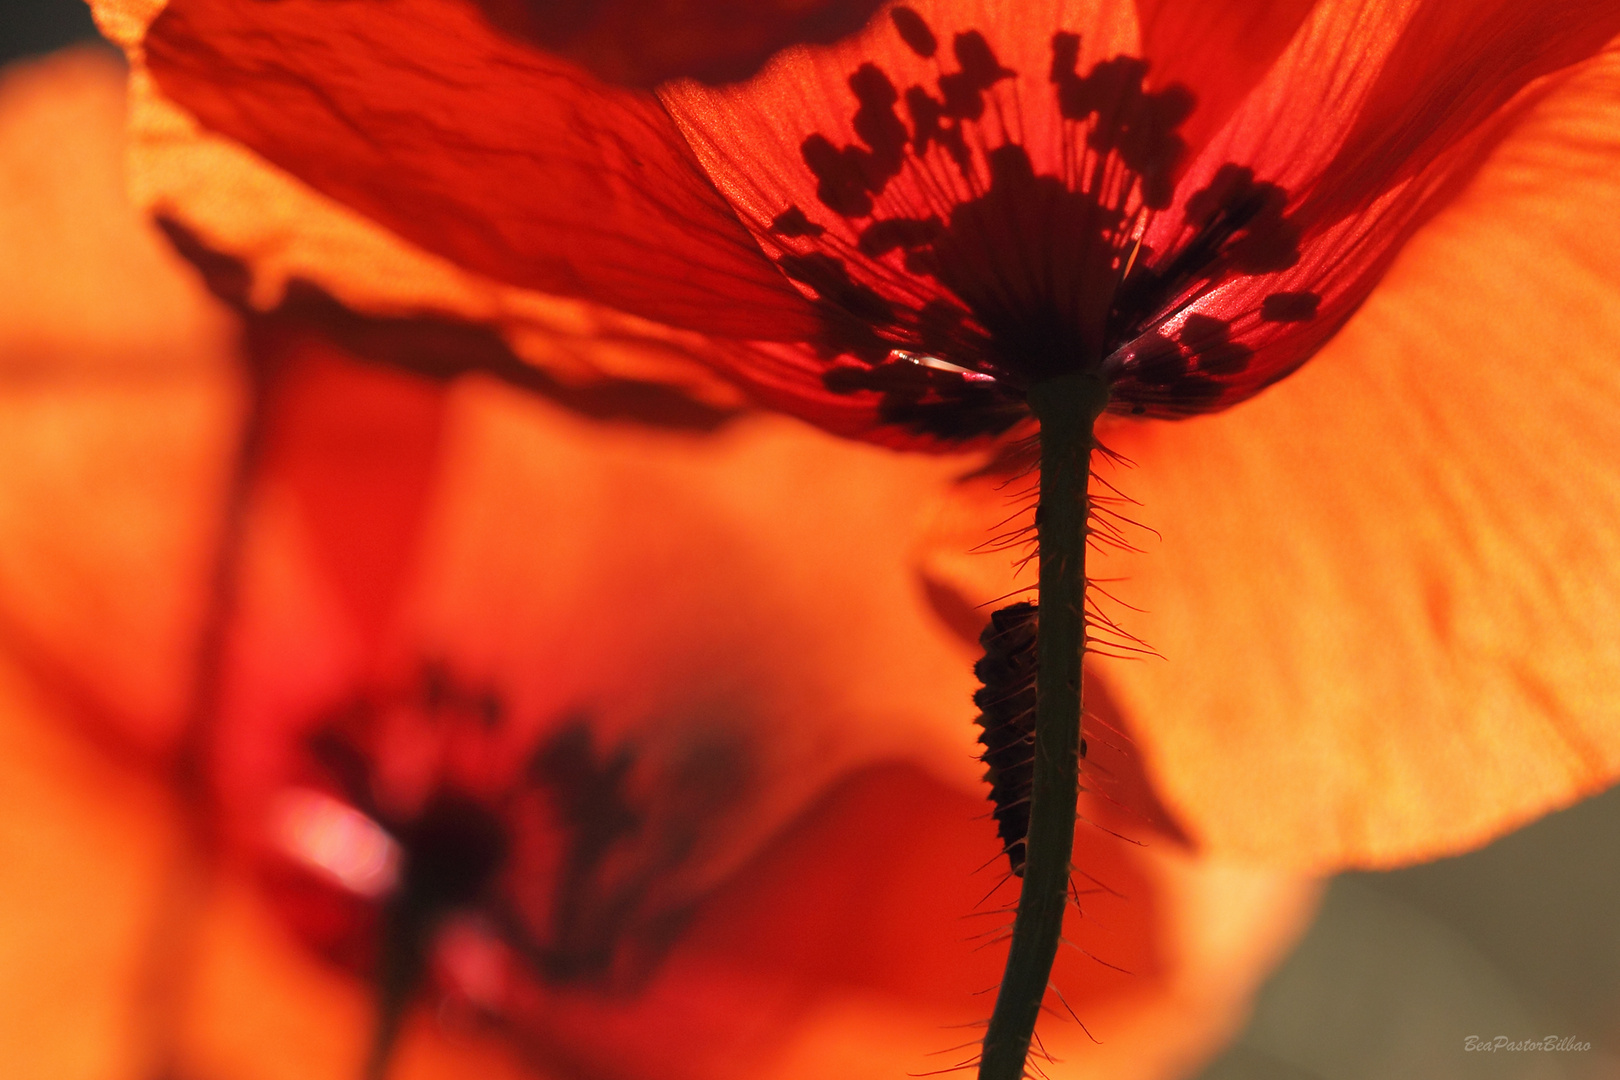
1385	590
1372	119
1223	49
1273	191
515	164
1346	124
573	570
282	234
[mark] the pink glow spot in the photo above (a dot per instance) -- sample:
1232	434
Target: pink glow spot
337	842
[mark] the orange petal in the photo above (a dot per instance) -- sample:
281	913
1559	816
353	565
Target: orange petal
1386	590
119	405
88	848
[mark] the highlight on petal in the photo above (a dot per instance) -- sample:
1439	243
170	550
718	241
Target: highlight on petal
1421	527
643	42
119	405
511	162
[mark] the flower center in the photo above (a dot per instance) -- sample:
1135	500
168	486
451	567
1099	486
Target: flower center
423	808
937	235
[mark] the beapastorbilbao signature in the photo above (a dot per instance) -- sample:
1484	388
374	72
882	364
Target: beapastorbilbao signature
1502	1042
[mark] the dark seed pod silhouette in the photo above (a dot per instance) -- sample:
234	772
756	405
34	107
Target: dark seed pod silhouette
1006	720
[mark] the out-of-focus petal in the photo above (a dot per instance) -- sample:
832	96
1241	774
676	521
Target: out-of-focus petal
360	461
90	847
767	983
580	568
119	407
728	602
779	941
642	42
513	163
82	842
1386	588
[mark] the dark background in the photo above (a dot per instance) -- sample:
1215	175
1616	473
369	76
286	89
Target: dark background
30	27
1519	939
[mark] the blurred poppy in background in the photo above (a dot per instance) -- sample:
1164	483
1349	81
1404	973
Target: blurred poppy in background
596	726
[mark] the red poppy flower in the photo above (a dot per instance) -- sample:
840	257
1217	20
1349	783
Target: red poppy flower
1453	89
1160	208
1264	190
437	666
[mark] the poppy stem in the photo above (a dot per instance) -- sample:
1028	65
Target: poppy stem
1067	408
406	930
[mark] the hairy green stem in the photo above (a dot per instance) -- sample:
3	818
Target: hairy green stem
1066	407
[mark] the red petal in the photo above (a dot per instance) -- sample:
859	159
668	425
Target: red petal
1451	69
756	140
513	163
864	905
1371	121
358	451
1338	178
1222	47
642	42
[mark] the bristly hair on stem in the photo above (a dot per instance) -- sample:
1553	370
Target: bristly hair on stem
1047	643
